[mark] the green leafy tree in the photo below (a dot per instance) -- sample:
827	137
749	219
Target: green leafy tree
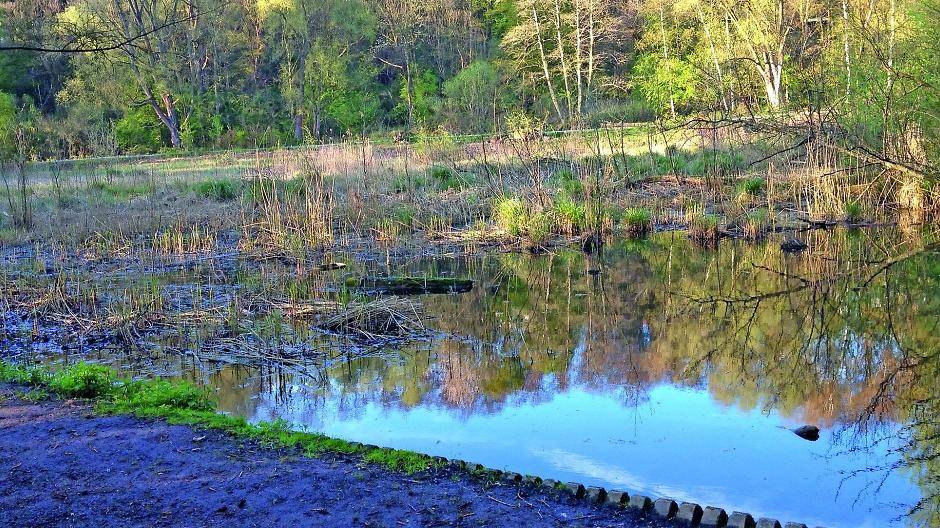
471	98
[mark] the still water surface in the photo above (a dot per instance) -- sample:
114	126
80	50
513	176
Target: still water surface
656	367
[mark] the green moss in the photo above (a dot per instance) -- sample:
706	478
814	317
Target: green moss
399	460
182	403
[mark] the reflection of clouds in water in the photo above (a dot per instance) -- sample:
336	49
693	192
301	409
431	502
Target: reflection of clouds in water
544	334
607	472
703	494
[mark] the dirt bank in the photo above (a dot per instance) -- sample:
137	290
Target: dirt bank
61	465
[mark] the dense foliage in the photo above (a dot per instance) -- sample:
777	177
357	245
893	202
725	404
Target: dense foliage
102	76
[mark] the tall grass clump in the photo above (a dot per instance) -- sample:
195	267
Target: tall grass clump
853	212
218	189
756	223
752	187
511	214
445	178
537	228
704	228
714	163
568	183
571	215
637	221
291	215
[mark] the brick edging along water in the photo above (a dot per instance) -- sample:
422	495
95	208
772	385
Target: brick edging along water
683	514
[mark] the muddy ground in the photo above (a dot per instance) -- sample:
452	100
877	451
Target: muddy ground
62	465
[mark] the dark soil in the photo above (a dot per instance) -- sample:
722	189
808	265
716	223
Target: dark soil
61	465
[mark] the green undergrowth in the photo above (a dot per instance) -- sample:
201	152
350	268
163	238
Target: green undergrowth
182	403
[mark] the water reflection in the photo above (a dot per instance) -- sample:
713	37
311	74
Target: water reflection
656	367
696	360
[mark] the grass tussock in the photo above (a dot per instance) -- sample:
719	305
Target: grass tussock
704	229
183	403
637	221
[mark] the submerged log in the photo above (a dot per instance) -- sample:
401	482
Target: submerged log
410	285
793	245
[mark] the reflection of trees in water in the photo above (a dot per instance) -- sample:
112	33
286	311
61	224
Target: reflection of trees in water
845	335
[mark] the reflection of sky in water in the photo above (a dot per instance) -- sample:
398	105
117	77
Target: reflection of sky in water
679	443
597	378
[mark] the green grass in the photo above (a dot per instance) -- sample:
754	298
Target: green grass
569	184
446	179
120	191
537	227
511	214
756	223
182	403
569	213
752	187
712	163
218	189
704	228
637	221
853	212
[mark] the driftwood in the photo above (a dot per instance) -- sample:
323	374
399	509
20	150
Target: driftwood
410	285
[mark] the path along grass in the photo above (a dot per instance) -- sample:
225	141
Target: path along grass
182	403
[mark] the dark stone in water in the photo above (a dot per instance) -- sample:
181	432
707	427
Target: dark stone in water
807	432
793	245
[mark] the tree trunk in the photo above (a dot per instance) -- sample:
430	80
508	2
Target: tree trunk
409	93
545	72
298	126
773	81
172	120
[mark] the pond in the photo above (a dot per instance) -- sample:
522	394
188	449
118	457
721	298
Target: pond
655	366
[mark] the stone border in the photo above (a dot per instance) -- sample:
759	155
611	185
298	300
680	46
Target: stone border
684	514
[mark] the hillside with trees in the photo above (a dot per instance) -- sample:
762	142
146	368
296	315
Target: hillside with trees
96	77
